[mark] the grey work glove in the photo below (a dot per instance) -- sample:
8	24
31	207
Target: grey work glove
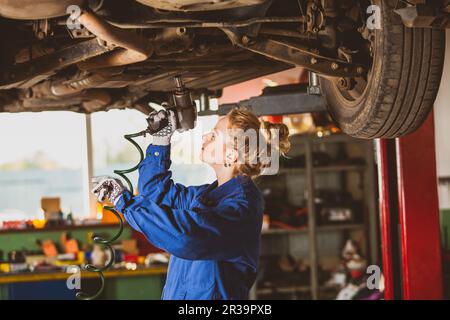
163	136
108	187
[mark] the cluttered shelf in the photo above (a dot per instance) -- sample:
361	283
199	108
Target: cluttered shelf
324	169
322	137
286	275
291	289
60	275
340	168
308	247
287	289
54	218
52	251
336	227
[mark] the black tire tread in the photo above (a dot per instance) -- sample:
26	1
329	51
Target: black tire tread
411	70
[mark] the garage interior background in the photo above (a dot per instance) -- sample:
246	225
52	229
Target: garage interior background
302	258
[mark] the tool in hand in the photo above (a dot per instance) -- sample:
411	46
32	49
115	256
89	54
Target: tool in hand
181	105
180	114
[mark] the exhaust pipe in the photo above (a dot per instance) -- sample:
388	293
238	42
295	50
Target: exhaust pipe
136	48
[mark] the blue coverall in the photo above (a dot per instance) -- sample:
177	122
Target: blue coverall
211	232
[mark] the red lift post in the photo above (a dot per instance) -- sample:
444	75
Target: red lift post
409	216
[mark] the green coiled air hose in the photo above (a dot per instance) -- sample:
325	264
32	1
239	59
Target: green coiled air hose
107	242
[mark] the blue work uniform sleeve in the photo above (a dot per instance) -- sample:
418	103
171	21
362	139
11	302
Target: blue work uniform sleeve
155	179
217	233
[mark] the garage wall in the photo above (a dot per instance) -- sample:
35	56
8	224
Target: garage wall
442	123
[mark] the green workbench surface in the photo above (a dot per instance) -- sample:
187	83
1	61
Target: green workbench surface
8	278
145	283
140	284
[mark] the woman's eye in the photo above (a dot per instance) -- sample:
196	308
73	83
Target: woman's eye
213	136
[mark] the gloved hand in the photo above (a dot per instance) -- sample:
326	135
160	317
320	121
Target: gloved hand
163	136
108	187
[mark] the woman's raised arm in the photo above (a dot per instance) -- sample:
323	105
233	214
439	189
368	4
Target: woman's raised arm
155	179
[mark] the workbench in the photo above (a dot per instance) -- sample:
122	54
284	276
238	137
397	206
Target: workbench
143	283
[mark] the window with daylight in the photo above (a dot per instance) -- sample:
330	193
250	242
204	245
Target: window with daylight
45	155
112	151
42	155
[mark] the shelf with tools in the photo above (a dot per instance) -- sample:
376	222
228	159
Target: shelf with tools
323	169
323	195
320	228
290	290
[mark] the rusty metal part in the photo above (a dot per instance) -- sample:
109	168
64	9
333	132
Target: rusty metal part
24	75
80	33
110	78
87	101
118	57
316	17
425	16
193	23
151	81
72	86
287	33
297	55
172	40
41	28
41	99
136	48
95	100
35	9
168	41
199	5
32	52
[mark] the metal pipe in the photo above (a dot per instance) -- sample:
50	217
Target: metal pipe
287	33
136	48
27	74
189	23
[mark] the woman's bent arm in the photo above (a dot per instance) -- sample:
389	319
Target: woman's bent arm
217	233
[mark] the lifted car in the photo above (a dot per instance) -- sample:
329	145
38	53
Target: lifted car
379	62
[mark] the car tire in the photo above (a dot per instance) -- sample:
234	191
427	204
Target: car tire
401	87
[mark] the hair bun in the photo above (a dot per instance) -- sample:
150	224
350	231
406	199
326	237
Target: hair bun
284	144
244	119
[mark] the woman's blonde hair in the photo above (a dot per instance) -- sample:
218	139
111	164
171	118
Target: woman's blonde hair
244	120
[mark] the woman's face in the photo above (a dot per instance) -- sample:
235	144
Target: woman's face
214	150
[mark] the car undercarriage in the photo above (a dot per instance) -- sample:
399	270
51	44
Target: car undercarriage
88	56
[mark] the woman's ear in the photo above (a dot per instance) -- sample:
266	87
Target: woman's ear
231	156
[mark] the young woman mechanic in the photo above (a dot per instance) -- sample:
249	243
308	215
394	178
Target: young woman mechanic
212	231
